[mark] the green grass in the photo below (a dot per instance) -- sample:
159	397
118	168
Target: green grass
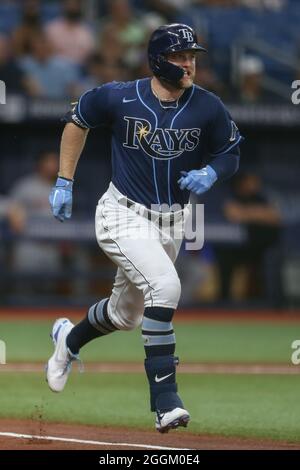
230	405
196	342
253	406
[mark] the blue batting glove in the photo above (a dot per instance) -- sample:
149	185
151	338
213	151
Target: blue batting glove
60	199
198	181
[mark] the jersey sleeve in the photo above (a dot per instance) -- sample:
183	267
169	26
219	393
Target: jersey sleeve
223	134
93	108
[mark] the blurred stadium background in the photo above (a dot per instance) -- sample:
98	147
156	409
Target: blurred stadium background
51	52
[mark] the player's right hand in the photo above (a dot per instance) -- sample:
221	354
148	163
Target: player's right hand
60	199
198	181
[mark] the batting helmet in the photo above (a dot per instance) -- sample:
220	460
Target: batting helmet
170	38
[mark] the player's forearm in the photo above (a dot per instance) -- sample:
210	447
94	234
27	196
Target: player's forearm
225	165
72	143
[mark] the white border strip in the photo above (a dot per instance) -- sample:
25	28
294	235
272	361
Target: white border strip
81	441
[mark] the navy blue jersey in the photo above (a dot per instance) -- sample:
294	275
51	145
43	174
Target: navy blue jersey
152	141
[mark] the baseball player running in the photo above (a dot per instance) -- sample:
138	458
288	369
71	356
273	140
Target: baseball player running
164	128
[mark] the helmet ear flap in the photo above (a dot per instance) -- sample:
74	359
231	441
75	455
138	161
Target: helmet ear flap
167	71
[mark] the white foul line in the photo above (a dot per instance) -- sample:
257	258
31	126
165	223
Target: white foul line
81	441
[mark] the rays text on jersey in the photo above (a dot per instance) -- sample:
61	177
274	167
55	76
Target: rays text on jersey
159	143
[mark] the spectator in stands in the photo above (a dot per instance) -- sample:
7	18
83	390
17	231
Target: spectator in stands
251	70
261	220
69	35
251	83
30	26
206	76
123	35
10	72
48	76
220	3
31	193
12	214
176	10
169	9
101	70
11	223
275	5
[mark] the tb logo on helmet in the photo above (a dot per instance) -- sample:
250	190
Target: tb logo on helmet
188	35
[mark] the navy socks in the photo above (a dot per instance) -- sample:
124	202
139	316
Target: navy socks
94	325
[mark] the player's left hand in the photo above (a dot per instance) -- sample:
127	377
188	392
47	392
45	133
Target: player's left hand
198	181
60	199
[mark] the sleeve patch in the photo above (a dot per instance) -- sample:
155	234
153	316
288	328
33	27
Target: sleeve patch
78	121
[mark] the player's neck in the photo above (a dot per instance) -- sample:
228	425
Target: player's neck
165	92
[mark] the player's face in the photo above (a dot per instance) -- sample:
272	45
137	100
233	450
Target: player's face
187	61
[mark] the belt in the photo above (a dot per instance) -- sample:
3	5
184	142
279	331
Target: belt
150	215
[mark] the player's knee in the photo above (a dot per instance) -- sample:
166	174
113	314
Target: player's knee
125	319
167	290
129	324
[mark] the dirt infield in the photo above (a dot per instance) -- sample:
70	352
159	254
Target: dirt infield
192	368
191	315
108	438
